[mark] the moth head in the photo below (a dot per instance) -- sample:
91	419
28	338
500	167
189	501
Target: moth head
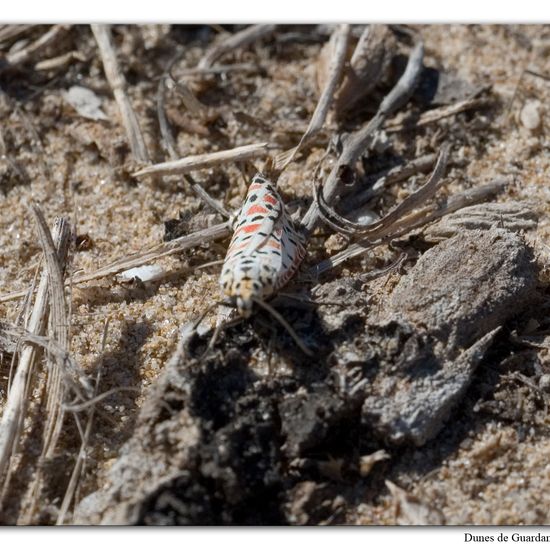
242	283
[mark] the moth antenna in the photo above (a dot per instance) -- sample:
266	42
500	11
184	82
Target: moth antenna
218	329
274	313
202	317
212	340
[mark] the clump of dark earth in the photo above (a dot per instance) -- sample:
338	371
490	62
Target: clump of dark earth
217	442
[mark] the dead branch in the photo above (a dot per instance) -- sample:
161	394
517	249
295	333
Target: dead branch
237	40
203	236
138	259
117	82
59	61
338	45
373	230
437	114
458	201
376	183
12	32
199	162
357	142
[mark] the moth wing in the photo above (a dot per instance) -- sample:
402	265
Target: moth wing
264	232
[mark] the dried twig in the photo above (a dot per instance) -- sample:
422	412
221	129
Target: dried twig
58	330
12	336
377	228
192	104
359	140
199	162
338	45
172	149
117	82
376	183
164	126
59	61
434	115
47	39
237	40
79	464
454	203
11	32
203	236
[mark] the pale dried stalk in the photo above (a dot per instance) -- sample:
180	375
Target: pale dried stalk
172	149
369	62
416	220
219	231
360	140
12	336
10	32
437	114
375	229
199	162
59	327
338	45
219	69
117	82
58	333
59	61
237	40
203	236
16	402
192	104
47	39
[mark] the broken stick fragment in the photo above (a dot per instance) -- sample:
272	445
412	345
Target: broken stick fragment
199	162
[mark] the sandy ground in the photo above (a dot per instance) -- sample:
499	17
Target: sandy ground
485	469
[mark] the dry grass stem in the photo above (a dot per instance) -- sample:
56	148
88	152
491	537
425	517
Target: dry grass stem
59	61
47	39
14	410
376	183
199	162
203	236
117	82
12	32
369	62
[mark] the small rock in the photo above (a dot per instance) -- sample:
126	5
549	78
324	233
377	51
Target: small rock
530	115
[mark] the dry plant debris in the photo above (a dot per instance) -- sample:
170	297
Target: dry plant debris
414	162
